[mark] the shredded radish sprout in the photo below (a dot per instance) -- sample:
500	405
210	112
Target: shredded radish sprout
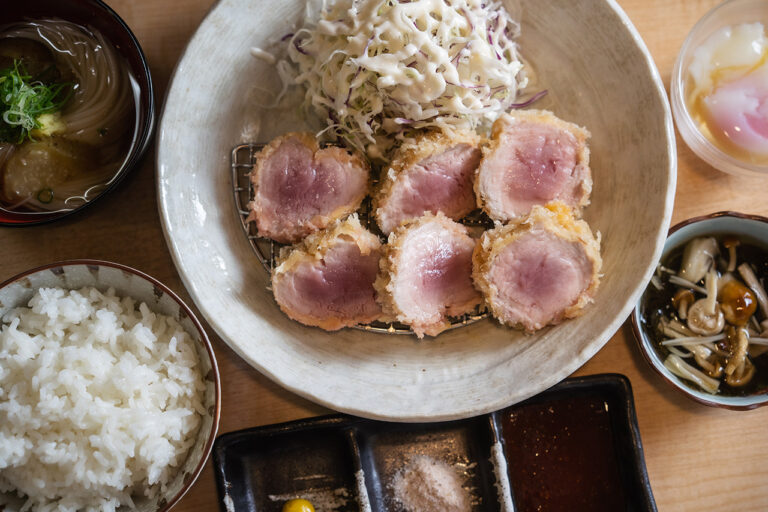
375	67
693	340
686	283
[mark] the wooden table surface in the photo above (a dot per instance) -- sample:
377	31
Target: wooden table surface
698	458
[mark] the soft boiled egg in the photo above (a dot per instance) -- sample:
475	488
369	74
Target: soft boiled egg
729	93
739	110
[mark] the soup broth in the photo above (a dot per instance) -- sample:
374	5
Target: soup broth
68	115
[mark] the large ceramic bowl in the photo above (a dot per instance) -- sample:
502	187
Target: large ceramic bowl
128	282
751	228
98	15
598	73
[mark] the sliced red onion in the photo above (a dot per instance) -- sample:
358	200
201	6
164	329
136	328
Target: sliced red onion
296	44
536	97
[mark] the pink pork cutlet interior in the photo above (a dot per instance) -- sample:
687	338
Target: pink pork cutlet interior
296	185
435	275
441	182
540	165
338	286
538	276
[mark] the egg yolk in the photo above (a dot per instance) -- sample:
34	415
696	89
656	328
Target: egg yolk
298	505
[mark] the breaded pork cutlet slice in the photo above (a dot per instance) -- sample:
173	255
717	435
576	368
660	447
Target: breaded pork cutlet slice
538	270
433	173
533	158
426	274
300	188
327	280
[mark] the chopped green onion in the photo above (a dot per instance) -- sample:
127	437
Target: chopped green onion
23	101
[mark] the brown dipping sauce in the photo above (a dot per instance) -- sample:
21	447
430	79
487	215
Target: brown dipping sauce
561	456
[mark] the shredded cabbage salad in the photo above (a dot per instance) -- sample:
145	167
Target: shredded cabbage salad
377	68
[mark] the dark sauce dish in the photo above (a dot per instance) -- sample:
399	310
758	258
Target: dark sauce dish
577	447
97	17
573	447
751	232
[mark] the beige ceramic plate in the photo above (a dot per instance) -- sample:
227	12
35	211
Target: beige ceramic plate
599	74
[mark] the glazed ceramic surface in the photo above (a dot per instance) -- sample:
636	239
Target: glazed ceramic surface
130	283
598	73
753	229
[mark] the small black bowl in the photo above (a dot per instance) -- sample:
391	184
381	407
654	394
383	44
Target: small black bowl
99	16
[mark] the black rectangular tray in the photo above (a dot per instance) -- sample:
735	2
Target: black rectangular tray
343	463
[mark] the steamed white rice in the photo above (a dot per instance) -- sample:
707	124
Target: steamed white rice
100	400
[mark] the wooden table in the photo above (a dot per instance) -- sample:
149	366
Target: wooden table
698	458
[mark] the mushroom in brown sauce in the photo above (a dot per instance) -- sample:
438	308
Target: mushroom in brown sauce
705	316
682	301
737	303
730	243
739	369
710	316
698	258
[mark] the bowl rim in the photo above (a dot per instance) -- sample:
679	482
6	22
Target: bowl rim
638	332
701	146
216	416
136	151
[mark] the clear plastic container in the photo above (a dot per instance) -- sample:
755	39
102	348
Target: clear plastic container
730	13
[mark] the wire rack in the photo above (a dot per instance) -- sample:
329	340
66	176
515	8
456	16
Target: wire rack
242	160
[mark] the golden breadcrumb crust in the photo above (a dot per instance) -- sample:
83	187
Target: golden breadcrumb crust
556	218
535	116
314	248
389	266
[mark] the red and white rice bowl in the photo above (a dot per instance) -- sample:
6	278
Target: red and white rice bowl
104	401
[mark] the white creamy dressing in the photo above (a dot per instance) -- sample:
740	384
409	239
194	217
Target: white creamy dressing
371	67
263	55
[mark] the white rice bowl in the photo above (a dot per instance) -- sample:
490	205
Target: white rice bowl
100	400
